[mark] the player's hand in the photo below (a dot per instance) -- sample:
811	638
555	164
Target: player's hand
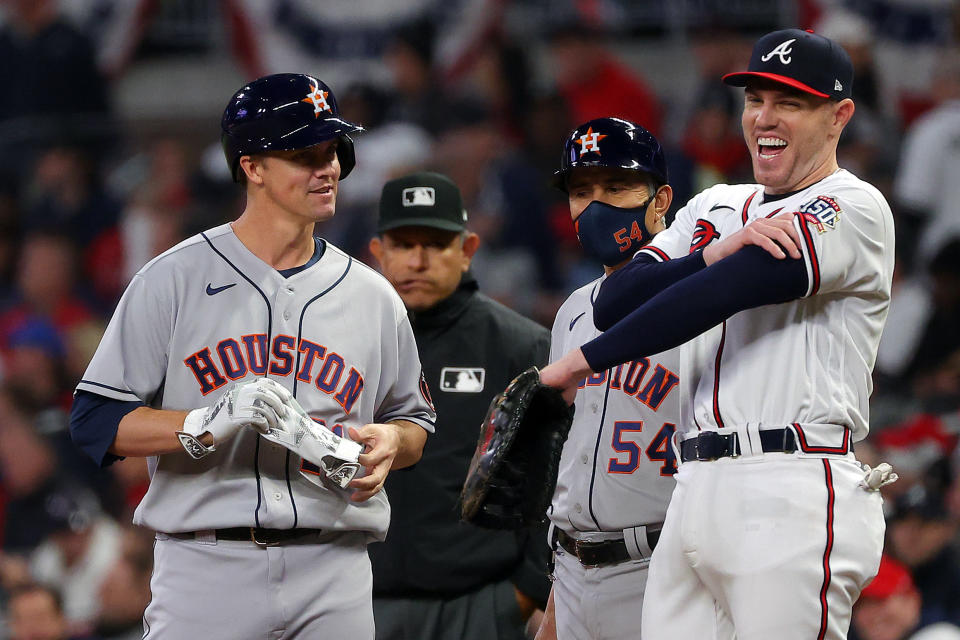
254	403
298	432
566	373
381	442
773	235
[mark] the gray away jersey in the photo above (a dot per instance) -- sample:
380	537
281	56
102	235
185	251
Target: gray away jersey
616	469
208	313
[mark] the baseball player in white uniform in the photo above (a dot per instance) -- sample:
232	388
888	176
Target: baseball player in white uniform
774	528
235	362
616	470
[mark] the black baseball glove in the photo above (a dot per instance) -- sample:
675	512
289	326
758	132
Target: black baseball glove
514	470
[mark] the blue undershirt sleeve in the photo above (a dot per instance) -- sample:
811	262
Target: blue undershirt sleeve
749	278
94	420
638	281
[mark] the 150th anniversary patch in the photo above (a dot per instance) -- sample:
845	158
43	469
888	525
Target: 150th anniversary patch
823	212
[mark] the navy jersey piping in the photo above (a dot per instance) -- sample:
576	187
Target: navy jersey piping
296	367
596	449
106	386
256	452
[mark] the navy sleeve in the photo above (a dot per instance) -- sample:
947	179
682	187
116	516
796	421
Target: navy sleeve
749	278
94	420
636	282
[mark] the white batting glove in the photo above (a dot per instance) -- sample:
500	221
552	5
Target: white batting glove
880	476
254	403
296	431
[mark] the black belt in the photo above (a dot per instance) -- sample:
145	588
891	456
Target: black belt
259	535
600	553
710	445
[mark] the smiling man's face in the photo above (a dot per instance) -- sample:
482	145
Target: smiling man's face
791	135
303	182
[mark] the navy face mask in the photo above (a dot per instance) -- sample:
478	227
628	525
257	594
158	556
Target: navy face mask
613	234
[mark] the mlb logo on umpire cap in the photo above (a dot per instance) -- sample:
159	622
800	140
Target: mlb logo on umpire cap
419	197
422	199
802	60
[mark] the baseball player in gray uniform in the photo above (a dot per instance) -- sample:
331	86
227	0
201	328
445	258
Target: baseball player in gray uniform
783	286
616	469
272	381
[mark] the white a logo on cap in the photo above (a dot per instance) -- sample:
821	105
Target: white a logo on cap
419	197
782	50
837	86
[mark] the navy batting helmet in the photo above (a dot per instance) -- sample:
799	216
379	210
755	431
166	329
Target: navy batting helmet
611	142
282	112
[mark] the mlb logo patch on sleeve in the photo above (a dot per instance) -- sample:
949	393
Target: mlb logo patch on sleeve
462	379
823	212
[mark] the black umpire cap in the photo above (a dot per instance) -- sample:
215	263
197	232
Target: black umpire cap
423	199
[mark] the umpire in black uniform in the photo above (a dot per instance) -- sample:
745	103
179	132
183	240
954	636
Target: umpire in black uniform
435	577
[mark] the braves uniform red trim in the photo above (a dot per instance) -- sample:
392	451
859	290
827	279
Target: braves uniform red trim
746	205
842	450
716	377
831	497
660	254
812	251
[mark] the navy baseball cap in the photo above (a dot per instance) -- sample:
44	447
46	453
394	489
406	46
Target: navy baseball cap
802	60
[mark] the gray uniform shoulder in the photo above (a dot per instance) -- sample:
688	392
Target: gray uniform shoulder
178	256
372	280
580	301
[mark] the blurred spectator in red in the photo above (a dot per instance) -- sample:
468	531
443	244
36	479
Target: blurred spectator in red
922	535
159	206
46	275
889	609
594	83
35	612
713	141
53	89
125	591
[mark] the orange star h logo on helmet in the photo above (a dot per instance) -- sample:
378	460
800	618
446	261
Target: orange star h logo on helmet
590	141
319	100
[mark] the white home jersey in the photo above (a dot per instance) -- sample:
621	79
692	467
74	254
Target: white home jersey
208	313
616	469
813	356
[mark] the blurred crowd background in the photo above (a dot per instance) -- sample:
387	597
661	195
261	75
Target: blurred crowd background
109	154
